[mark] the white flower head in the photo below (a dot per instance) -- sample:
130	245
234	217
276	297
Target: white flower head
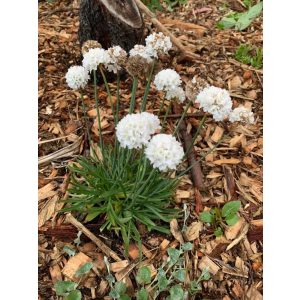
167	80
77	77
94	57
177	93
164	152
215	101
117	57
241	114
157	43
141	51
135	130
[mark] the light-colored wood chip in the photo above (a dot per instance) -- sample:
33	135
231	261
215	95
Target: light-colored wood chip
231	232
175	231
230	161
206	262
47	191
118	266
193	231
217	135
73	264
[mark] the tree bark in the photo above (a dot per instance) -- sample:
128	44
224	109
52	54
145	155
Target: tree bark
111	23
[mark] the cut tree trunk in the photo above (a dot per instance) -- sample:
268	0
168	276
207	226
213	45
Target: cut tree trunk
111	23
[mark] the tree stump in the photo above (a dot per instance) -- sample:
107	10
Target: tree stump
111	23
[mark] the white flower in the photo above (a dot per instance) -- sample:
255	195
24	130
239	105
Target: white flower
167	80
77	77
135	130
177	93
164	152
117	57
241	114
141	51
216	101
94	57
157	42
152	121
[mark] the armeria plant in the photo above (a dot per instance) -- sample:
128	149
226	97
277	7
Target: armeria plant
131	182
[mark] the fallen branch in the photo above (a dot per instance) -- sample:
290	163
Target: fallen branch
105	249
67	151
197	175
186	53
188	115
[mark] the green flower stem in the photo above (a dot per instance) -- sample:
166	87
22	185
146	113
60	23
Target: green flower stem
108	92
133	92
195	136
182	117
118	98
147	89
161	107
97	109
117	112
86	123
166	115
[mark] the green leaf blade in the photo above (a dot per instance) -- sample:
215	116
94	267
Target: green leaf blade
144	275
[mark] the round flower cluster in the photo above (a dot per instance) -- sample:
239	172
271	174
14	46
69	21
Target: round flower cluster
94	57
167	80
241	114
178	93
215	101
164	152
135	130
157	43
141	51
117	58
77	77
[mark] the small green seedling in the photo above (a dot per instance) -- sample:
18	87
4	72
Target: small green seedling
68	289
220	218
244	54
240	21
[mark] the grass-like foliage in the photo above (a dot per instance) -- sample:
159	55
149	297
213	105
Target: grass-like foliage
122	189
249	55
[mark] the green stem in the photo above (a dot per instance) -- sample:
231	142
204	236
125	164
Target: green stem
108	92
166	115
133	92
86	123
195	136
97	109
182	117
147	89
117	112
161	107
86	119
118	97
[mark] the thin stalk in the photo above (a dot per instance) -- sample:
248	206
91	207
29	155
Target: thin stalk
166	115
117	112
118	97
86	119
161	107
182	117
195	136
147	89
108	92
86	123
133	92
97	109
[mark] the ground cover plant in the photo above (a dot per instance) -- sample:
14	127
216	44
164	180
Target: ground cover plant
112	181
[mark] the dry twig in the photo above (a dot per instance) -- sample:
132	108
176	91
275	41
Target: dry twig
105	249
